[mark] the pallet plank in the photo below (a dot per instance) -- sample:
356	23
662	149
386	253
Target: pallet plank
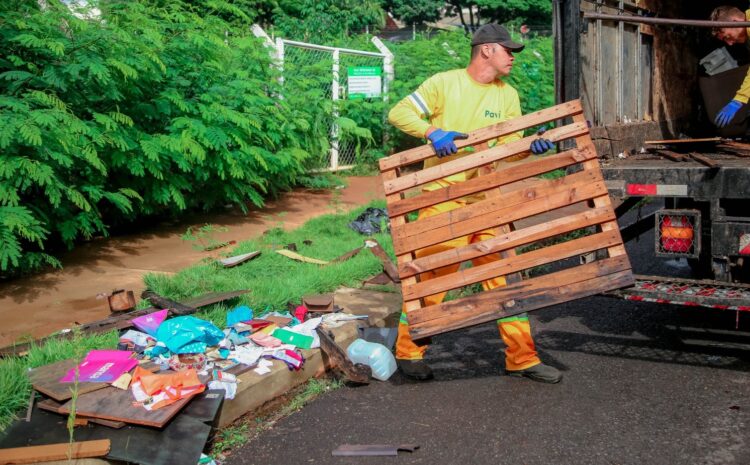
539	188
491	311
507	241
544	116
514	264
491	181
509	296
501	216
479	159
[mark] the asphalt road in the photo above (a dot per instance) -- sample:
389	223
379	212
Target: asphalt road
644	384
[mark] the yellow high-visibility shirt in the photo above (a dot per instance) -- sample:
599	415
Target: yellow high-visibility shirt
743	95
453	101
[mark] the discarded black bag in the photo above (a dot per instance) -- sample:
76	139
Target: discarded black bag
371	221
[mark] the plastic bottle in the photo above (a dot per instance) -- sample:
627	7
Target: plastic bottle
376	356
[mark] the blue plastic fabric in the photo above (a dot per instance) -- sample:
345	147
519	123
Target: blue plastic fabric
188	335
238	315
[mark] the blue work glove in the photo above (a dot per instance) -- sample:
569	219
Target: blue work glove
539	146
442	141
727	113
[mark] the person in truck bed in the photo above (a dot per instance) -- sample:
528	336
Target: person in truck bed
443	109
731	36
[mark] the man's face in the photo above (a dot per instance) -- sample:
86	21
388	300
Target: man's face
501	59
732	35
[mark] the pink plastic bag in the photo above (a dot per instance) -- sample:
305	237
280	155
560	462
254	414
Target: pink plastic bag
150	323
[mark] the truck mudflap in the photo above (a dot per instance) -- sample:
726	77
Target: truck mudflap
688	292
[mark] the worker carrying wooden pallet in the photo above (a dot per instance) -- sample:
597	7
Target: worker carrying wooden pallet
443	109
731	36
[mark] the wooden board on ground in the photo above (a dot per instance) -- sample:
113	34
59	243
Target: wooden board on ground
121	321
45	379
117	405
62	451
520	220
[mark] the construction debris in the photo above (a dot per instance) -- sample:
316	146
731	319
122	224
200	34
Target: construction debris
362	450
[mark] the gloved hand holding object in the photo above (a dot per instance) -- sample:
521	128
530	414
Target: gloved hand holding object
725	116
443	141
539	146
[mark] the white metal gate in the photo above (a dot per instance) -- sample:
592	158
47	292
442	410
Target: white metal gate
331	64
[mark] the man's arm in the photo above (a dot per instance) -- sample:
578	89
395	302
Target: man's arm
410	113
727	114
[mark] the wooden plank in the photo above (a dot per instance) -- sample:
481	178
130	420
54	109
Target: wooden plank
503	296
45	379
503	215
535	189
507	241
490	181
121	321
682	141
62	451
509	265
674	156
117	405
703	160
479	159
388	266
399	221
424	152
491	311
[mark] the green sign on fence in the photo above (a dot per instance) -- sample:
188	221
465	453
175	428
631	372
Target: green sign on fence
364	82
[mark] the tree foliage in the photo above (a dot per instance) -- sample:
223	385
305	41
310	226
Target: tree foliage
155	109
415	11
535	12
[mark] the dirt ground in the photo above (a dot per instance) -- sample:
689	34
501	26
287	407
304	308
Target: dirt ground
39	305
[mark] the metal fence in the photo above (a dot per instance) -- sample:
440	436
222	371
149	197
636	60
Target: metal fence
328	73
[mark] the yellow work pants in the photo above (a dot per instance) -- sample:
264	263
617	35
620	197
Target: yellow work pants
515	331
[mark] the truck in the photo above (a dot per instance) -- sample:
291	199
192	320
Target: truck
650	98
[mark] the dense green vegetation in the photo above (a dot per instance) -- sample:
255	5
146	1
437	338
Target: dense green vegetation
156	107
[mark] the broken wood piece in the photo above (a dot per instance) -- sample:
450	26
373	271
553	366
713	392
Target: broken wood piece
362	450
30	408
703	160
300	258
121	301
218	245
379	280
123	382
347	255
356	373
682	141
62	451
388	266
674	156
238	259
175	308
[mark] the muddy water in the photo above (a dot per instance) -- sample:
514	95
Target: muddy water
39	305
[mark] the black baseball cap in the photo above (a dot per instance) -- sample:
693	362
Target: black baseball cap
495	34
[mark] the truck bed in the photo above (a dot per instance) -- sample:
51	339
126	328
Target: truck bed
633	176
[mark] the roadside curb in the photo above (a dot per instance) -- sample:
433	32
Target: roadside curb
253	391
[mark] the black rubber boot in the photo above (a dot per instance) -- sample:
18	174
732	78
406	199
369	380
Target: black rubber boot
541	373
415	369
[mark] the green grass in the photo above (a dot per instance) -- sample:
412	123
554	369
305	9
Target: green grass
272	279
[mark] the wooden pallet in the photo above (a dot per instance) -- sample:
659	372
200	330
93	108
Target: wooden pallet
514	196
